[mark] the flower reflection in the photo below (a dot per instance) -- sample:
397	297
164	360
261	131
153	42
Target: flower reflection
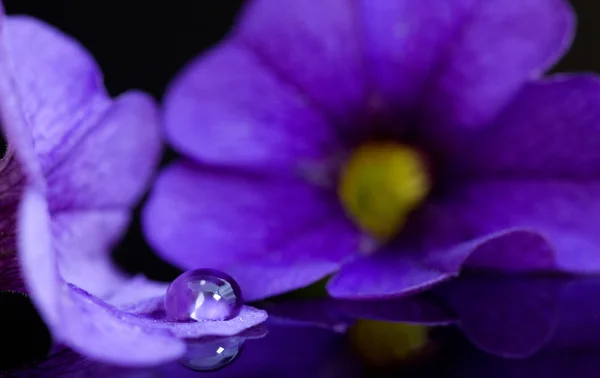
545	325
509	316
470	362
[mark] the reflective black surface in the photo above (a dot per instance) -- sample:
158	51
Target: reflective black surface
498	325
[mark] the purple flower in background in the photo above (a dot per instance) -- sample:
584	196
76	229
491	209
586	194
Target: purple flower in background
85	161
390	144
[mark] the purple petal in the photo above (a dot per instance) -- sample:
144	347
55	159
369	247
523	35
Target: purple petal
85	323
410	268
315	49
270	235
492	49
550	130
83	241
520	226
97	330
564	214
37	257
55	86
111	166
150	314
509	316
227	108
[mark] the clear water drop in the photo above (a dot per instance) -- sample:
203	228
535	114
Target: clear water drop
203	294
212	355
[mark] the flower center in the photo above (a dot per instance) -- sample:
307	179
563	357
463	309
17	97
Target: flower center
381	184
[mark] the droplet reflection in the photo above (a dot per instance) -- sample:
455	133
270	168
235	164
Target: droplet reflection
212	355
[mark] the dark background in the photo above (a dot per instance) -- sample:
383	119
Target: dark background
142	44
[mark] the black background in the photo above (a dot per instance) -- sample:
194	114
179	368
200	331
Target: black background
142	44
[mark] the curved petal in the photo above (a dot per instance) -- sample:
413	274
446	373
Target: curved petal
226	108
493	48
563	213
151	314
55	85
36	255
89	325
403	270
520	226
271	235
112	163
550	130
82	244
316	49
95	329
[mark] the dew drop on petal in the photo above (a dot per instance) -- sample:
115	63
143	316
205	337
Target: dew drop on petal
212	355
203	294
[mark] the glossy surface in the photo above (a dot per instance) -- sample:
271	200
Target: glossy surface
203	294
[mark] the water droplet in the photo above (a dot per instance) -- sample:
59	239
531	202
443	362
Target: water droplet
203	294
213	354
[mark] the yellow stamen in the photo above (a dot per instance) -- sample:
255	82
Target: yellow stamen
381	184
383	344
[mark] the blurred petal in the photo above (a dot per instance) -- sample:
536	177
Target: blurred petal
399	270
315	49
563	214
550	130
111	166
228	109
270	235
493	48
514	227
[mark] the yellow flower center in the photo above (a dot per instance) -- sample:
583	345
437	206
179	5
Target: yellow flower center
381	344
381	184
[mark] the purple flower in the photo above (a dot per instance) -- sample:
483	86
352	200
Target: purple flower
85	161
390	144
